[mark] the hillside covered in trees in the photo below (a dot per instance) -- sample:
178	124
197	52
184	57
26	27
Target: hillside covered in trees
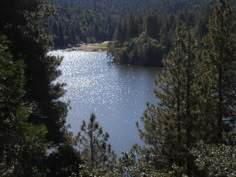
141	31
78	21
189	132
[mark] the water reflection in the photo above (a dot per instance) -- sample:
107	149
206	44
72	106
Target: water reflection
116	94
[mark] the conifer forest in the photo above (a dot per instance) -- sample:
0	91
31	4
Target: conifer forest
186	129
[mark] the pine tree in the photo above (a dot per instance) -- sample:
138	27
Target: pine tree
171	127
133	27
65	161
24	26
216	160
152	28
95	151
23	145
120	33
219	66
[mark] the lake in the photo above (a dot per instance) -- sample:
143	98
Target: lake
116	94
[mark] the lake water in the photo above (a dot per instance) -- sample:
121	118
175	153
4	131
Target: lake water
116	94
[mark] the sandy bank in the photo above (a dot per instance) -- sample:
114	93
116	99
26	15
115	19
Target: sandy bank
91	47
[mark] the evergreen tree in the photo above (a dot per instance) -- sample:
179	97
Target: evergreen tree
95	151
216	160
152	28
171	127
24	25
65	161
133	27
32	118
219	66
23	145
120	34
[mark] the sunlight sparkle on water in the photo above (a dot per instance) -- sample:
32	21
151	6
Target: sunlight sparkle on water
116	94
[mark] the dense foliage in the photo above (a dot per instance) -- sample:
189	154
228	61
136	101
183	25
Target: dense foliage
191	131
32	118
193	90
143	40
216	160
148	38
77	21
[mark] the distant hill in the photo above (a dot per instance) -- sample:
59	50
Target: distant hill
96	20
91	21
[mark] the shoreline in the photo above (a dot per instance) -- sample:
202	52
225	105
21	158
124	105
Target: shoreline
96	47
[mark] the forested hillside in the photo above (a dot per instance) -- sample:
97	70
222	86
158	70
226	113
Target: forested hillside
78	21
142	31
146	39
190	131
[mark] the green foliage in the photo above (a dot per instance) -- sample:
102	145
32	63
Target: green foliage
169	128
135	163
157	25
29	39
152	28
31	115
93	21
218	66
97	154
194	99
142	50
65	161
71	26
216	160
142	46
196	92
23	145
